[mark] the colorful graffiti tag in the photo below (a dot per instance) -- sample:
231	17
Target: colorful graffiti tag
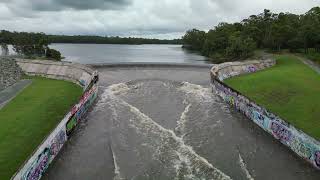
301	148
39	166
317	158
79	110
57	143
299	142
280	132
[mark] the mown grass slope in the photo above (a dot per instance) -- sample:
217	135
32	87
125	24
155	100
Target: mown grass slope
290	89
30	117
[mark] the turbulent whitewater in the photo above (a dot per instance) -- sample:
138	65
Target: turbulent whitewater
180	160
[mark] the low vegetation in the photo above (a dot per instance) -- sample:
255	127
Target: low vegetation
30	117
227	42
290	89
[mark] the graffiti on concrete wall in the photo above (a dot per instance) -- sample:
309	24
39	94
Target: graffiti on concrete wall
299	142
317	158
251	69
39	162
301	148
39	166
58	142
228	70
80	109
281	132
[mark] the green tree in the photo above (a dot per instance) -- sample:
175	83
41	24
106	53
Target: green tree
53	54
194	39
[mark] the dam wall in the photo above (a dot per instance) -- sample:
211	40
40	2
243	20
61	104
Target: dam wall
74	72
299	142
38	162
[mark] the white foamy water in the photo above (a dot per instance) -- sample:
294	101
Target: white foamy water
116	167
196	91
244	168
186	162
180	129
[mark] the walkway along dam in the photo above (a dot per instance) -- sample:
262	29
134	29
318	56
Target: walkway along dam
165	122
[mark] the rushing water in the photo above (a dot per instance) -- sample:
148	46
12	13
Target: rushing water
111	53
149	123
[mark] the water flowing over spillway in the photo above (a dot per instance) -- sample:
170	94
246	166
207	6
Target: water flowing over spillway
160	144
153	123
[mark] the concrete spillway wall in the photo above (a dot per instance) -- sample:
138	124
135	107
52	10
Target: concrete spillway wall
302	144
39	161
77	73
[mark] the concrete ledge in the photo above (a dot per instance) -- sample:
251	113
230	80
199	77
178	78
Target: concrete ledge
142	64
39	161
74	72
299	142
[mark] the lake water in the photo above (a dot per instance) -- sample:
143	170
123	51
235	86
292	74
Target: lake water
110	53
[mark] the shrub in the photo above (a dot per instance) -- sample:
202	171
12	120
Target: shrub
53	54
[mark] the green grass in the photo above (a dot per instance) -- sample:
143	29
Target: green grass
30	117
312	55
290	89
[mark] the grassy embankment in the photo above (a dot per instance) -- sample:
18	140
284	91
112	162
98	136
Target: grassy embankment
290	89
30	117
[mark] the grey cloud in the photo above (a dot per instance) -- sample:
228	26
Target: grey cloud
149	18
58	5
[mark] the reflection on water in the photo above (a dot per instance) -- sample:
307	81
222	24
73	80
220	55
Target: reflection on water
111	53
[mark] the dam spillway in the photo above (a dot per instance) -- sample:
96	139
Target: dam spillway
164	122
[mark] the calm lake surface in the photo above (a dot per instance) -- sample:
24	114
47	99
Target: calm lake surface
110	53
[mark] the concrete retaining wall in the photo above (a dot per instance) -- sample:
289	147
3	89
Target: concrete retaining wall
74	72
303	145
40	160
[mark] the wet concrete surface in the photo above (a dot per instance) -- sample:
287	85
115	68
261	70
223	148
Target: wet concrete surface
165	123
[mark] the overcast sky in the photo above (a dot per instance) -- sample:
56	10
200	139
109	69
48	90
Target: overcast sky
141	18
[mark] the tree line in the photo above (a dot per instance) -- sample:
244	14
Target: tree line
267	30
37	44
108	40
27	44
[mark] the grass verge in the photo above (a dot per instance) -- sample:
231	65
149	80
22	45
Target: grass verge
30	117
290	89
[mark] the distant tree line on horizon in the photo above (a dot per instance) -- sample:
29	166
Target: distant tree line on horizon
109	40
35	45
234	41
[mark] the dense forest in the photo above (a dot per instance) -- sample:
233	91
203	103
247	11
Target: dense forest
108	40
234	41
